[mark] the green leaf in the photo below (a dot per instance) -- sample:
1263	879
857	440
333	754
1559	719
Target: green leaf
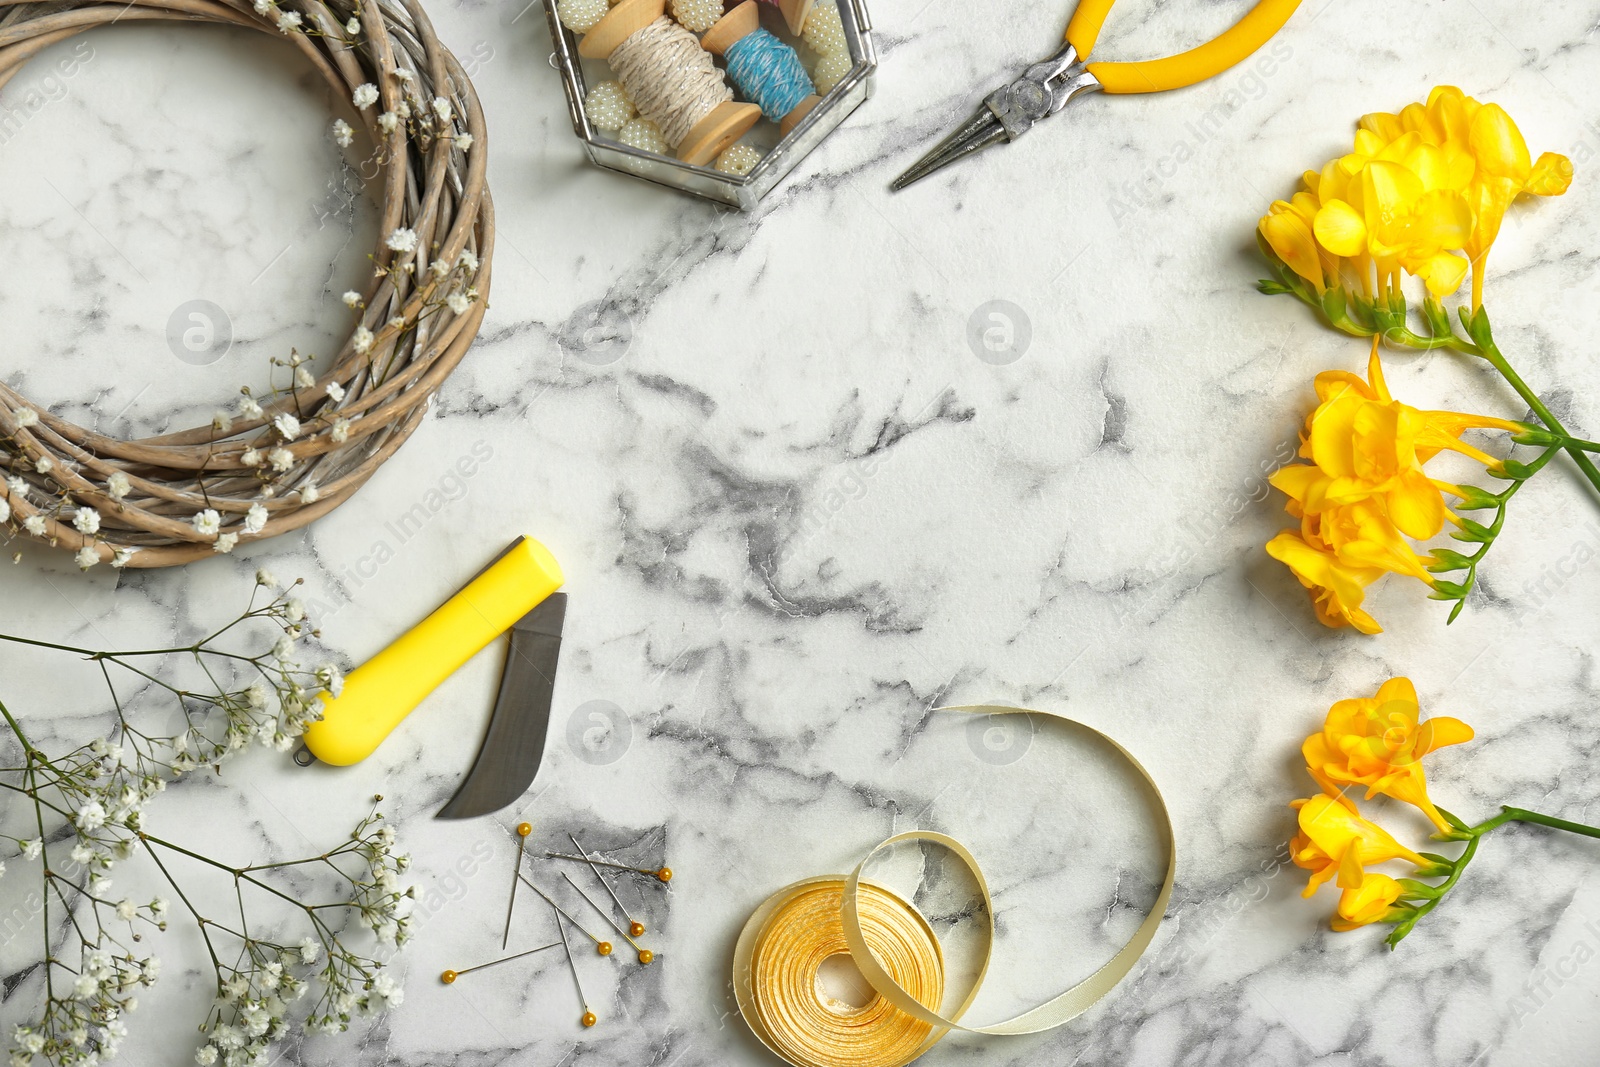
1333	304
1448	559
1472	531
1475	499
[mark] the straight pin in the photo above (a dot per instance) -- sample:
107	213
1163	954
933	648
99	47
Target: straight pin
588	1018
523	830
664	874
645	955
635	927
603	947
448	977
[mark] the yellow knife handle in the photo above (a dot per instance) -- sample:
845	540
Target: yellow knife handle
384	690
1236	44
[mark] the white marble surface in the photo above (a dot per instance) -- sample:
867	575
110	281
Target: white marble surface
796	512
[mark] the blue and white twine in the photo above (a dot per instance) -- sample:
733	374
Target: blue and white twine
769	73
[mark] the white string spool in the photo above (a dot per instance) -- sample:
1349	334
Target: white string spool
670	78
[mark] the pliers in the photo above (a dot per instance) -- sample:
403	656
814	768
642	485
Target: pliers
1047	87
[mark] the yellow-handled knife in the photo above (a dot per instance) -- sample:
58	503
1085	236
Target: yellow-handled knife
380	693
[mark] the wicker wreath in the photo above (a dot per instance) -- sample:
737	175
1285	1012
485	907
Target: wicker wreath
285	459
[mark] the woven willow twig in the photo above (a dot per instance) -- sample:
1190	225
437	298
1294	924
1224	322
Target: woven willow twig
430	161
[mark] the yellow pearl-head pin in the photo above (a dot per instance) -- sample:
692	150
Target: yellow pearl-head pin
524	829
448	977
636	929
604	948
589	1018
645	955
664	874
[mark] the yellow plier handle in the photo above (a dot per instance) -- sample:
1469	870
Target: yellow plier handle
1186	68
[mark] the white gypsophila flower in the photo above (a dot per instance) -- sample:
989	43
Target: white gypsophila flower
294	609
281	459
158	910
91	816
362	341
86	557
439	267
340	434
43	465
353	27
221	421
82	854
118	485
309	951
288	20
389	122
263	6
387	988
86	986
27	418
5	510
86	521
287	425
126	911
248	408
250	457
464	142
207	523
343	135
442	108
31	848
34	524
303	378
266	579
310	493
255	520
365	96
351	298
225	544
459	303
283	649
331	678
403	239
19	488
468	260
206	1055
335	392
123	556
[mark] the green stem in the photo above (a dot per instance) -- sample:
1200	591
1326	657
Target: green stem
1496	359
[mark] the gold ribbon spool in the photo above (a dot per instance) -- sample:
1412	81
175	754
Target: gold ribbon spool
784	943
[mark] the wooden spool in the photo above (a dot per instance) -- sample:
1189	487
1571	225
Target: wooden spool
726	123
795	13
735	26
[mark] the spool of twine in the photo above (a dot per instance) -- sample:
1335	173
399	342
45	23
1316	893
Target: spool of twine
670	78
769	73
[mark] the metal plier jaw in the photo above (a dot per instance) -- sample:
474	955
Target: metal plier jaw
1010	111
1044	89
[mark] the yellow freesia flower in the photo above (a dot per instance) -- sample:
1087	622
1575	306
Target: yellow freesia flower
1417	189
1379	742
1368	900
1497	168
1365	490
1337	588
1334	840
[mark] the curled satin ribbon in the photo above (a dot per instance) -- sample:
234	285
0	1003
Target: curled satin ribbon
784	943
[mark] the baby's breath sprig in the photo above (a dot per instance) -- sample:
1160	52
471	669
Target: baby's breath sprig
84	812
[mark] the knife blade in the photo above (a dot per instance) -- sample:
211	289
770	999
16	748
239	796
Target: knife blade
513	745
